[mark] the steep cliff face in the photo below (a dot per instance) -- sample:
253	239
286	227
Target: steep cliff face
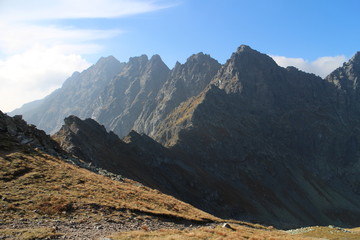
346	104
130	93
76	96
347	76
184	81
124	96
346	79
277	136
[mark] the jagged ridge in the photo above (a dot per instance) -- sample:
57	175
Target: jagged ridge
281	142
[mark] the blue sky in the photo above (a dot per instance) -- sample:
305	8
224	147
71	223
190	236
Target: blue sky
42	42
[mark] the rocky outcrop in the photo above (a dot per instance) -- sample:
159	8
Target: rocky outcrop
14	131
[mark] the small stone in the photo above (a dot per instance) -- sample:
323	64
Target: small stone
226	225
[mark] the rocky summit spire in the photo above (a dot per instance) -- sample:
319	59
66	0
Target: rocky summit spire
347	76
356	58
244	48
246	67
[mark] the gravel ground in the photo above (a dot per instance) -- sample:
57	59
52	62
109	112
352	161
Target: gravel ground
99	229
300	230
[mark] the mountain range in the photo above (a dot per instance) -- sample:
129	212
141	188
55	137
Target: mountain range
246	140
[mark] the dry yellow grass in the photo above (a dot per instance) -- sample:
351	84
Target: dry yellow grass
29	234
331	233
34	184
237	232
179	118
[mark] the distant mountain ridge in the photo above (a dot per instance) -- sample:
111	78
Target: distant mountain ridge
74	97
247	139
123	96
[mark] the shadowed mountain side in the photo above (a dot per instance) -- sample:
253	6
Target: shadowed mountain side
43	196
259	188
141	158
277	136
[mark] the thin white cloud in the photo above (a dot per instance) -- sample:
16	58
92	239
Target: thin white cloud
321	66
23	80
36	56
19	37
20	10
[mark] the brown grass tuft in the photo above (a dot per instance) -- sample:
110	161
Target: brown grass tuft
54	205
29	234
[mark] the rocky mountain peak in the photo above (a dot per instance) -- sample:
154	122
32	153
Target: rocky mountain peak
81	137
71	119
106	60
156	63
199	57
196	64
246	56
244	48
140	60
134	67
353	63
356	58
245	67
155	58
75	124
137	138
182	82
347	76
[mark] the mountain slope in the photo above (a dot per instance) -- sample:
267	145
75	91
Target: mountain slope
44	197
75	96
184	81
275	135
248	140
127	95
123	96
141	158
38	188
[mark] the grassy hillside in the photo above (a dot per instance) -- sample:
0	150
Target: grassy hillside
37	187
44	197
237	231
